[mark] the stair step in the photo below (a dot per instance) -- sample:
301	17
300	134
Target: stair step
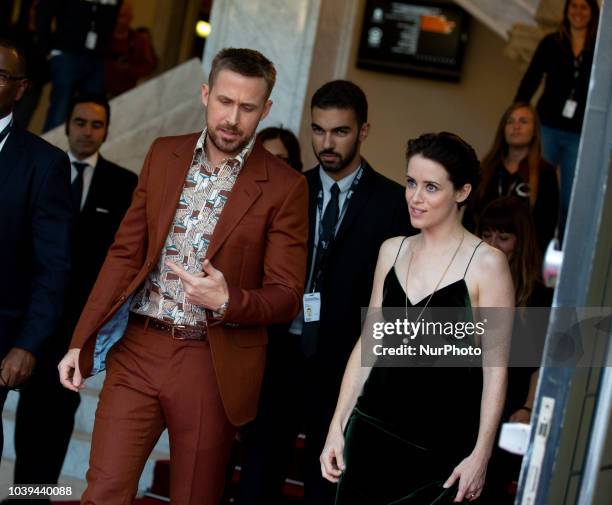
77	457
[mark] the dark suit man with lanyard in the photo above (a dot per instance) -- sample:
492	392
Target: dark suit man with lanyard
101	193
35	219
353	209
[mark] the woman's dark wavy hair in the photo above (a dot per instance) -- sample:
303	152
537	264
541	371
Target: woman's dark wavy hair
508	214
288	139
452	152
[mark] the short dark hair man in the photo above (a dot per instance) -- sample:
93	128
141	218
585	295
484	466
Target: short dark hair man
101	195
35	225
353	210
188	338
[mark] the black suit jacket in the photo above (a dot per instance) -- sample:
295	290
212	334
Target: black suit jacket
35	216
376	212
108	199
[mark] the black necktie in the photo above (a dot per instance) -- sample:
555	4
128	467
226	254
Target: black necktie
77	185
328	227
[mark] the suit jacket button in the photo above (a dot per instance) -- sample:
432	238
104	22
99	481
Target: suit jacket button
122	298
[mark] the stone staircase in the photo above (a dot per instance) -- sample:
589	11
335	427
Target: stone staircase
77	459
170	104
522	23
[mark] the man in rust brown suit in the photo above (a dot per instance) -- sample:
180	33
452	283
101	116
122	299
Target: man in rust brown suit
188	338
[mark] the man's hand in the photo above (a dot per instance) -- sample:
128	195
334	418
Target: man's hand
16	367
207	289
69	373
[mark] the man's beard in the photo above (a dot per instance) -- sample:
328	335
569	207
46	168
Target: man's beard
341	162
232	147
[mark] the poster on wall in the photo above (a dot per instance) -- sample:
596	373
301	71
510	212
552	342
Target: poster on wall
414	38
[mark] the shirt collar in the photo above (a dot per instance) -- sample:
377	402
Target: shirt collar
344	184
5	121
240	158
92	161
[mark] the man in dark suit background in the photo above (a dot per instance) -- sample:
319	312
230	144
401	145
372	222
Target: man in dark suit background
35	218
352	211
101	193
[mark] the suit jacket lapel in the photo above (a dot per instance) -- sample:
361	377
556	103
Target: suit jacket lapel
173	175
244	193
11	156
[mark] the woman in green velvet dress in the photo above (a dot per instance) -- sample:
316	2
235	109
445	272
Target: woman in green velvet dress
407	435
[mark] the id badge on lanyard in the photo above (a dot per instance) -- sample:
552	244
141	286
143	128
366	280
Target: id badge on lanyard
569	110
91	39
312	300
312	307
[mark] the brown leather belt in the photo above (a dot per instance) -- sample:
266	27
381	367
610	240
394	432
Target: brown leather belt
176	331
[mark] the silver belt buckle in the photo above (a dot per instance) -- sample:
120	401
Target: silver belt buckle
180	327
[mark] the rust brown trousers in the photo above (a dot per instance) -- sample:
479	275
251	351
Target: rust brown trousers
200	390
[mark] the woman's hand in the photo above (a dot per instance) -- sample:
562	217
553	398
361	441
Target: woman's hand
471	475
332	457
521	416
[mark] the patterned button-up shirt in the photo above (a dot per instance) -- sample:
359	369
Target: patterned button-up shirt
205	191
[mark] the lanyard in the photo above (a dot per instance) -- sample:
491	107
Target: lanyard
577	63
315	276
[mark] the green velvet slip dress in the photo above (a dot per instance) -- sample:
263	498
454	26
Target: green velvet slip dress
411	425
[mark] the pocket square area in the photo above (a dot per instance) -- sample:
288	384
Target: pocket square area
103	211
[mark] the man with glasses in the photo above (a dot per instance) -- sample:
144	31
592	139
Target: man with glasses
34	228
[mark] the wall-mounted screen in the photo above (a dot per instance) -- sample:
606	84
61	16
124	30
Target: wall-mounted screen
418	38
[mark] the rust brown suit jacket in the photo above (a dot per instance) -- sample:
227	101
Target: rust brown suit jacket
259	244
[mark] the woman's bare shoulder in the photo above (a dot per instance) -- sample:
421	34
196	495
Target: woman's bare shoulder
390	247
486	260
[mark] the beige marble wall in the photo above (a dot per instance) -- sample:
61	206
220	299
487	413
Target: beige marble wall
309	41
285	32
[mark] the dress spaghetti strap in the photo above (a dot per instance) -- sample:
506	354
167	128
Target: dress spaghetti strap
472	257
399	250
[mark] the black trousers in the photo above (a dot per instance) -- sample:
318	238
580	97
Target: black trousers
295	395
43	426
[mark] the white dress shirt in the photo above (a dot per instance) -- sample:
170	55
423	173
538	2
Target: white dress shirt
4	122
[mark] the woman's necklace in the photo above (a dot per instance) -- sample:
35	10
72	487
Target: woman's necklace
437	285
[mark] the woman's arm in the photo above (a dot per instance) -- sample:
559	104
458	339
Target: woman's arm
355	375
491	264
533	76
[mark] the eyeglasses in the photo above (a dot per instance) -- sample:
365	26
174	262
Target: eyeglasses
5	78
